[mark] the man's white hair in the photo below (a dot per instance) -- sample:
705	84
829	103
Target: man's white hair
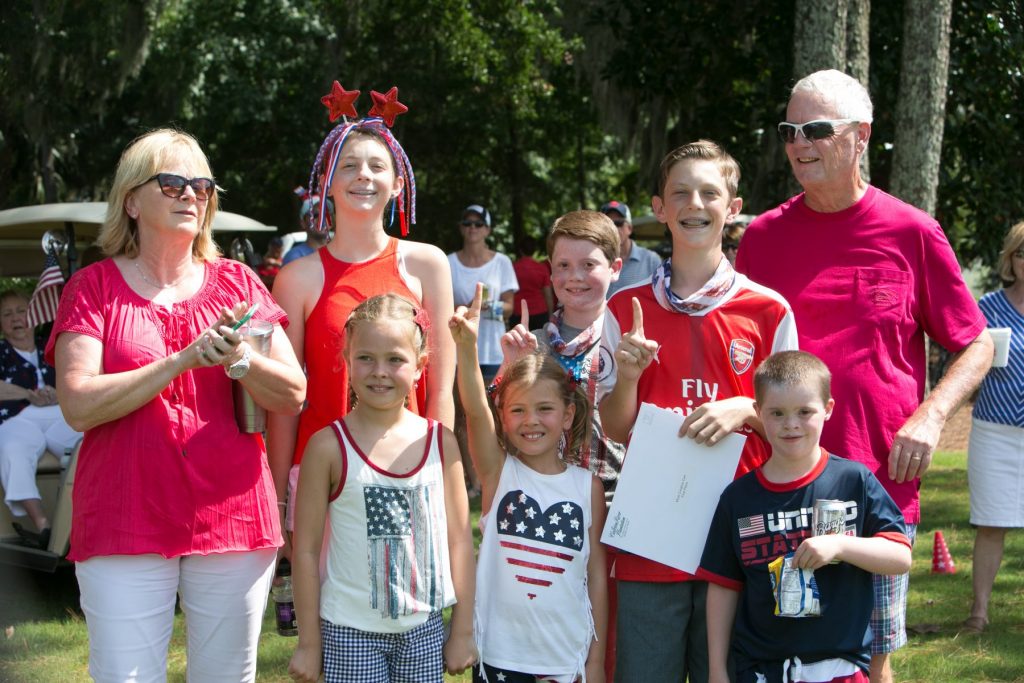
850	98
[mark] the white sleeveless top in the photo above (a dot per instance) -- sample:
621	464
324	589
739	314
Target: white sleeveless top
533	611
387	562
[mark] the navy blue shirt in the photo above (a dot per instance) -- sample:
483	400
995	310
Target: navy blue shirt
14	369
758	521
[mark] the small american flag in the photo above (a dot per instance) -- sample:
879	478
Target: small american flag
750	526
42	308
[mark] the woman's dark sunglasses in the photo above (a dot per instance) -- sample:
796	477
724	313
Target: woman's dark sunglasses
818	129
174	185
473	224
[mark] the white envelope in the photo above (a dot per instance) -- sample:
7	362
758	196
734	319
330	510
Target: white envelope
668	490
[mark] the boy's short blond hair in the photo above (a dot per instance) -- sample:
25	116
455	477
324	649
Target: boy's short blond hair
591	226
793	368
702	150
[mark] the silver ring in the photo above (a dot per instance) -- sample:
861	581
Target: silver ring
915	456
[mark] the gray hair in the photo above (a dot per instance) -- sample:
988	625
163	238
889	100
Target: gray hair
850	98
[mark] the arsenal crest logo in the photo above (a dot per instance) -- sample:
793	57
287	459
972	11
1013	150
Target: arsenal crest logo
741	355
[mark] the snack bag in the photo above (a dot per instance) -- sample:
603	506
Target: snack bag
795	590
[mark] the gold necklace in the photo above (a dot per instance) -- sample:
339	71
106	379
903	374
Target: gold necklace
157	285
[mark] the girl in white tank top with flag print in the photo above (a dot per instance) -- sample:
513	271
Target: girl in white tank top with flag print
541	610
400	548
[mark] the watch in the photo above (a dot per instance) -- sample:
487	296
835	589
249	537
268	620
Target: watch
240	367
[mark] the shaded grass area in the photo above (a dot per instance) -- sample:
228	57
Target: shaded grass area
49	641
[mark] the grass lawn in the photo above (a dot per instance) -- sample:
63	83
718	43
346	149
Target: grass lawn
45	636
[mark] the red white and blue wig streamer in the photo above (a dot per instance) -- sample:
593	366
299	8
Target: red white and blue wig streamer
327	162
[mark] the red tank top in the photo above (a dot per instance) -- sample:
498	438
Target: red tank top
345	286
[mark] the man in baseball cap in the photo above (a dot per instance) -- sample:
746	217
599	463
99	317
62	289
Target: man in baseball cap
637	262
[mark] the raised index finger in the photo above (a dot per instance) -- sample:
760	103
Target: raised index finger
474	308
524	314
638	317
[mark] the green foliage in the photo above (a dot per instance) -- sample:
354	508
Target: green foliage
981	192
705	70
532	108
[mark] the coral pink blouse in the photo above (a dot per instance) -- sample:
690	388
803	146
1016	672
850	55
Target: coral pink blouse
176	476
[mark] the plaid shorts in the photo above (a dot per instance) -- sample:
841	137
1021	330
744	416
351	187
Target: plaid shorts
889	617
411	657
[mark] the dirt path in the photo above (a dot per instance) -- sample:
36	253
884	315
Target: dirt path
958	428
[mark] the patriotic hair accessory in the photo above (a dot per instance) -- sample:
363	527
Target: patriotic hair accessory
422	319
341	103
311	207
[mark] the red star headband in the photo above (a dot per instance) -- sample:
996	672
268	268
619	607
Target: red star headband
340	103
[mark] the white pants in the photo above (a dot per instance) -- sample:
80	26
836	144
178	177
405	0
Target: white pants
128	601
23	440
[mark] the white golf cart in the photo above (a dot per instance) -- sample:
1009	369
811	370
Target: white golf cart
68	230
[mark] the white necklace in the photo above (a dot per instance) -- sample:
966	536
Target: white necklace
169	285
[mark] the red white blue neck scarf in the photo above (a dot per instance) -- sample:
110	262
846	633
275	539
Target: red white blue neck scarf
708	296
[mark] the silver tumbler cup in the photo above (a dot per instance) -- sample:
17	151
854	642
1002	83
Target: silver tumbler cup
252	418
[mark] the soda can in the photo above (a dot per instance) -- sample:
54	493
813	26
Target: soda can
829	517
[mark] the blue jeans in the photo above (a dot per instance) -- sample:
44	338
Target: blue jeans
662	634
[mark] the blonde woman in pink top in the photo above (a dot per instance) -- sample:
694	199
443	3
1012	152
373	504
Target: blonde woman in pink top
171	498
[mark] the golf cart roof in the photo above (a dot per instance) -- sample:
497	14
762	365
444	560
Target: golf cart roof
22	230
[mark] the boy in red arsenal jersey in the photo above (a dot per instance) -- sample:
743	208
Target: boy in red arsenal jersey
712	326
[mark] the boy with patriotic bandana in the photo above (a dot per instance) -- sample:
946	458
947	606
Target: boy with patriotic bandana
687	340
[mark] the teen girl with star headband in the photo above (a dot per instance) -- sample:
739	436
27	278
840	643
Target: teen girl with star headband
363	169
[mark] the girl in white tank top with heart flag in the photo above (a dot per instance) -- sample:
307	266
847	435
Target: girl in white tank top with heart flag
541	610
400	548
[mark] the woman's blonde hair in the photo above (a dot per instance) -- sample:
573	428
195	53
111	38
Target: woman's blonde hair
1013	241
143	158
531	369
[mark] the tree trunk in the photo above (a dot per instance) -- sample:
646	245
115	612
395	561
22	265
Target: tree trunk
819	42
858	55
819	36
921	105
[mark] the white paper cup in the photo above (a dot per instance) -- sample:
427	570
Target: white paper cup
1001	338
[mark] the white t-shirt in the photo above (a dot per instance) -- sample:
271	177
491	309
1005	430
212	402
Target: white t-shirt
499	277
533	611
388	567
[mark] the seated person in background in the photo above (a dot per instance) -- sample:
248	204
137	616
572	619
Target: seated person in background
30	419
775	637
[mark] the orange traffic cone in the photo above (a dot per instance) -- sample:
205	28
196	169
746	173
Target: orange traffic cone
942	563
